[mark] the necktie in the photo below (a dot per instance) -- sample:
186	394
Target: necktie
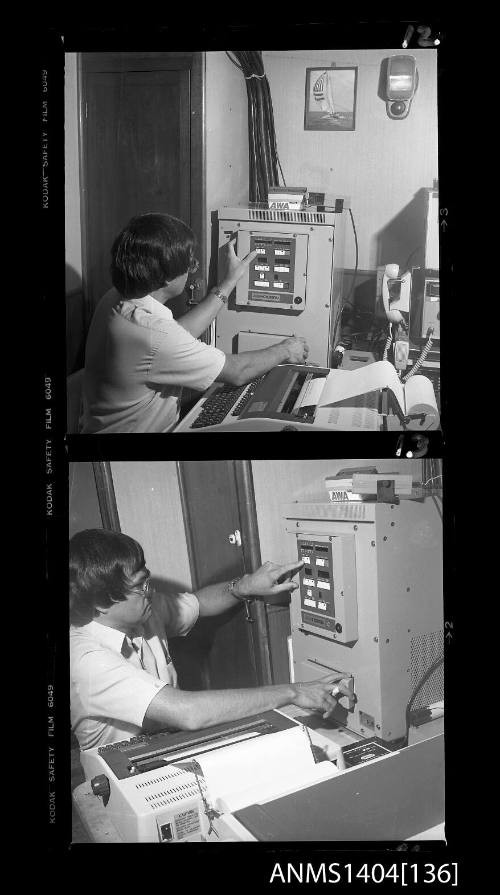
146	655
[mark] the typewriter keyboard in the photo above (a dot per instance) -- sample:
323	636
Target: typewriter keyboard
228	399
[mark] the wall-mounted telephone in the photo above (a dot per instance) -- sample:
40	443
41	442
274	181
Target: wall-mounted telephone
425	307
395	291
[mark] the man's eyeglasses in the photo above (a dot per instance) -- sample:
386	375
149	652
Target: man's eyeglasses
145	587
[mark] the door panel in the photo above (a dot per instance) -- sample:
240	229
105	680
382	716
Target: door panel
224	644
209	491
140	151
83	508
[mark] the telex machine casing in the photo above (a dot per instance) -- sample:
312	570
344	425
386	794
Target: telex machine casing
293	286
370	604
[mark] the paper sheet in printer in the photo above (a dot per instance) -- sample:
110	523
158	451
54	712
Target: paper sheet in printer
281	393
291	392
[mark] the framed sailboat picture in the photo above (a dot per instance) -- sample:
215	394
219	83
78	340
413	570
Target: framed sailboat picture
330	99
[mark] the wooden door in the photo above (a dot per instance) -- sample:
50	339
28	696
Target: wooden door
227	650
141	142
92	502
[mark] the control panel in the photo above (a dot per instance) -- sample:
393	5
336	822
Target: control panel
328	587
293	286
425	307
277	275
430	313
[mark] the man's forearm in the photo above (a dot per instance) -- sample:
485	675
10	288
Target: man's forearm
216	598
270	582
199	318
242	368
188	710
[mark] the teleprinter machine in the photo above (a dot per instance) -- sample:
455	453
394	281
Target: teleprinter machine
308	398
266	778
169	787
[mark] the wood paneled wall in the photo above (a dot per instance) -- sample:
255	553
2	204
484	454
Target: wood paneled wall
72	176
84	509
277	482
149	507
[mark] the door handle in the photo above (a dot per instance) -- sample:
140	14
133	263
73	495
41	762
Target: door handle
248	617
235	538
194	288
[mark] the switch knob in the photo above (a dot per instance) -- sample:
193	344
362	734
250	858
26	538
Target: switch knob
100	787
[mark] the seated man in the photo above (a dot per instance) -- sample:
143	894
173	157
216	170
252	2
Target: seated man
123	681
137	356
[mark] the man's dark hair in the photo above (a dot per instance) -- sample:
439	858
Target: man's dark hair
102	565
150	250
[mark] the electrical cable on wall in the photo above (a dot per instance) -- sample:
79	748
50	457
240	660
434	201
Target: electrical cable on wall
439	508
353	285
416	690
263	153
347	301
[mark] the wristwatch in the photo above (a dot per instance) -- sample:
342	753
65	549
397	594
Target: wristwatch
232	584
220	294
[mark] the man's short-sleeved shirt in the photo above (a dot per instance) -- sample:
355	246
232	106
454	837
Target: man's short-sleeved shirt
137	359
110	690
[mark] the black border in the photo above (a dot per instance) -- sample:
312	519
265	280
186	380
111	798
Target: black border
236	864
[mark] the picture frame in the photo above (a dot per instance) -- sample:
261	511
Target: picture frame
330	102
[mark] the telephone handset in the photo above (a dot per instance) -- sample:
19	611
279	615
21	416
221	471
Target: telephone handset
396	293
396	301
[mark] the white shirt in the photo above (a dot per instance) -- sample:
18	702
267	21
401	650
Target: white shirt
137	358
110	690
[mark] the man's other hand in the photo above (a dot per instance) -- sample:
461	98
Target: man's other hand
297	348
318	694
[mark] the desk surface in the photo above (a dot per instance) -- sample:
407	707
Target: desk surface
92	815
99	828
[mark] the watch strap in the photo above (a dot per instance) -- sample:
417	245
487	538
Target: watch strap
232	584
220	294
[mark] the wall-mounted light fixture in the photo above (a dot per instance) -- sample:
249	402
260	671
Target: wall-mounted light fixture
401	84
